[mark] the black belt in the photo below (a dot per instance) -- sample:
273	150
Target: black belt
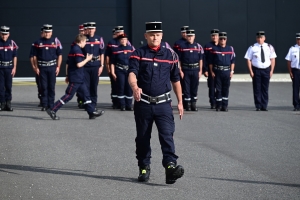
193	65
223	68
95	58
6	63
46	63
123	67
260	68
156	100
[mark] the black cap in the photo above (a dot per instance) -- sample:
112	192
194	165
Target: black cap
85	25
47	27
91	24
119	28
260	33
122	36
222	35
4	29
214	32
184	28
297	35
190	32
153	27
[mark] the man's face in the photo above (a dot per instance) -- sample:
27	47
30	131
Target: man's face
222	41
91	31
183	35
119	33
190	38
123	41
215	38
4	36
48	34
153	38
260	39
114	35
81	31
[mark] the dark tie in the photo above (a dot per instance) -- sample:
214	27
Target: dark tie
262	54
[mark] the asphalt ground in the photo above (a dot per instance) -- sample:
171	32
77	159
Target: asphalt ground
242	154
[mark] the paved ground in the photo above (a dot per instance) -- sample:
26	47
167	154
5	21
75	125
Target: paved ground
242	154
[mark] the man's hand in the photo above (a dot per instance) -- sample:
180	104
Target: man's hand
213	74
291	75
206	74
67	80
13	72
57	71
37	71
271	73
114	76
231	74
251	74
89	56
100	71
180	110
181	74
137	93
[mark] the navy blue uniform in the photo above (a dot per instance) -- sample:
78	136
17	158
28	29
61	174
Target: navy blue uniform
8	51
47	52
154	71
37	78
190	55
76	81
95	46
210	81
221	58
120	59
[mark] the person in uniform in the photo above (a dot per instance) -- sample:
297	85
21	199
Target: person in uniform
152	68
119	67
93	69
176	47
8	67
75	80
214	34
81	29
293	64
37	79
190	55
261	62
221	66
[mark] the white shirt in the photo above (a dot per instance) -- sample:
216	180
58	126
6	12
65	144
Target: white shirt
254	55
293	56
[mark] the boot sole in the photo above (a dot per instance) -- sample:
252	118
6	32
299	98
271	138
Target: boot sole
178	173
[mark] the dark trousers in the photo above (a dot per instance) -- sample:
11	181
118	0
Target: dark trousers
47	79
191	83
5	84
91	80
260	83
222	84
182	86
114	91
211	89
162	114
38	84
296	85
124	89
70	92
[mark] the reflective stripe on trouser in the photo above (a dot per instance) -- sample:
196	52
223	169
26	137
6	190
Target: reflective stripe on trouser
5	84
260	83
47	78
70	92
162	114
296	85
114	91
124	89
191	83
222	84
91	80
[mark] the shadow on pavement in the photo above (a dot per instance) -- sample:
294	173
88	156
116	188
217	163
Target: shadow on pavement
69	173
253	182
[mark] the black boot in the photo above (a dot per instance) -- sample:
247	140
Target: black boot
8	106
194	107
95	114
173	172
2	106
188	106
144	173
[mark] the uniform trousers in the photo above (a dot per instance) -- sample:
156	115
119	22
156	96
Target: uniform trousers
5	84
260	83
70	92
162	114
222	84
91	80
114	91
191	83
47	80
296	85
124	89
211	89
38	84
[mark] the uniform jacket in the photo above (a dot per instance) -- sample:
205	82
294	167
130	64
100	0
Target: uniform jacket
222	56
94	45
8	50
75	74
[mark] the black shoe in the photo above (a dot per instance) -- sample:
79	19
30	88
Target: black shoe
52	114
2	106
173	172
194	107
43	109
224	109
217	109
8	106
257	109
296	109
96	114
188	106
264	109
212	106
144	174
129	108
122	108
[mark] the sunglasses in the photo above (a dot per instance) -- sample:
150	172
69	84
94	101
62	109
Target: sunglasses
222	39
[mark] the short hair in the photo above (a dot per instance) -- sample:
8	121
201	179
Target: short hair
79	38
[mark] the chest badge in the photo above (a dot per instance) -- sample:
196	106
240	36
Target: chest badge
155	64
